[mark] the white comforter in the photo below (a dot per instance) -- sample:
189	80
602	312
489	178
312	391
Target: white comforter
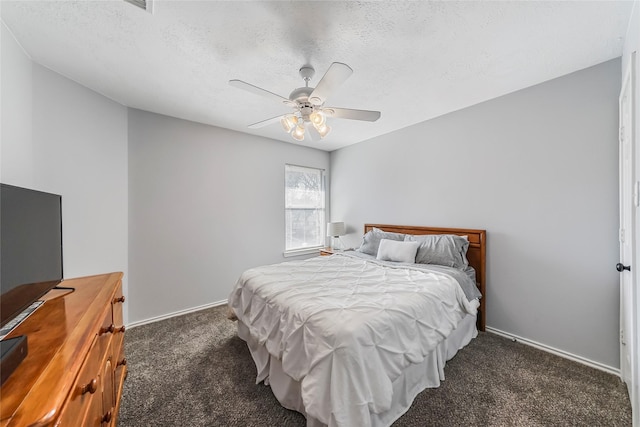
346	327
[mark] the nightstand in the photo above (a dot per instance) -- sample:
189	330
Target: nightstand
327	251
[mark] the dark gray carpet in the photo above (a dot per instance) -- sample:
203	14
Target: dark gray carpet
193	370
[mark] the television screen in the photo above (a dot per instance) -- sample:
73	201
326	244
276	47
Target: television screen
30	247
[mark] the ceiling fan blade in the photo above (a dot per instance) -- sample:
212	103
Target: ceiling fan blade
266	122
259	91
347	113
334	77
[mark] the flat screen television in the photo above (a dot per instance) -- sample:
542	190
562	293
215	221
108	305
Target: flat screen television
30	247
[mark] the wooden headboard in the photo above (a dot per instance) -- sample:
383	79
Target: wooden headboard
476	253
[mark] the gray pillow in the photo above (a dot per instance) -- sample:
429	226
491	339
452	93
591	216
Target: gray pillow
441	249
371	240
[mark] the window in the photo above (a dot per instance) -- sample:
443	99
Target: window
304	208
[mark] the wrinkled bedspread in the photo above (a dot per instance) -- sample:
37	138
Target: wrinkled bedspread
347	327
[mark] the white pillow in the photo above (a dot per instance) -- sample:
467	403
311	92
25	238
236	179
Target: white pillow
393	250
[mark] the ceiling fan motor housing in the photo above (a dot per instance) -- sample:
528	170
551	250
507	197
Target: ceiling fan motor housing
306	108
307	72
301	97
301	94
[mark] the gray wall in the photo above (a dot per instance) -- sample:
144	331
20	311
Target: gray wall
205	204
16	145
538	169
60	137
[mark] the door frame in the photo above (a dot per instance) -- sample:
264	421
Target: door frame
629	188
633	68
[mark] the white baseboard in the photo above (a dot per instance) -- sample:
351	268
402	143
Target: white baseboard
176	313
557	352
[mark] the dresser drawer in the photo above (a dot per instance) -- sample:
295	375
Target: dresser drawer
86	401
117	303
117	342
84	405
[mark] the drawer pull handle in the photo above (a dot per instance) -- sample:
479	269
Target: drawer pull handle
123	362
120	329
108	329
107	417
90	387
117	300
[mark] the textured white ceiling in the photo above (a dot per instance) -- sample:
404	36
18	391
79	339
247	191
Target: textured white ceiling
412	60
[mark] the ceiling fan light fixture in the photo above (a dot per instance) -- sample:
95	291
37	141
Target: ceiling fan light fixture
308	102
317	118
298	132
288	123
323	130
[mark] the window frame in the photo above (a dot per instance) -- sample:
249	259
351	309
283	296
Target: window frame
304	250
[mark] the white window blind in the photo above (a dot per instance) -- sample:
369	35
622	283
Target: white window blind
304	208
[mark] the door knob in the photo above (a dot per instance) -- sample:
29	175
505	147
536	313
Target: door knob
621	267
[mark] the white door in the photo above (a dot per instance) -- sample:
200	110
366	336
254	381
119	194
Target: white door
628	203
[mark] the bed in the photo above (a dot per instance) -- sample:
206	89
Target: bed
350	339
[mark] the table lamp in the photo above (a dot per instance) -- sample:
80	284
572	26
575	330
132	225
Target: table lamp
335	230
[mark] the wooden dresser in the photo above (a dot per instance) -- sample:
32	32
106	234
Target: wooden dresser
75	367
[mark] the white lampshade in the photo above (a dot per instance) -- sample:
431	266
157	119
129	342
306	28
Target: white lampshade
317	118
298	132
335	229
323	130
288	123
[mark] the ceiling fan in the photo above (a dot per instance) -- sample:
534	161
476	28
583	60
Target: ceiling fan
307	102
